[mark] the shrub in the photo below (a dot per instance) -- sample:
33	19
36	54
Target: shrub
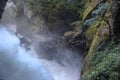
104	65
53	7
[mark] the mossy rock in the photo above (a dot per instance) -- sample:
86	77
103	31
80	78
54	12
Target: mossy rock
89	7
94	36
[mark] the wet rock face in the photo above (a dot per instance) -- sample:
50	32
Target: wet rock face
24	41
2	6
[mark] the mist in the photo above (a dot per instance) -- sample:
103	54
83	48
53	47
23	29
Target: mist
47	57
16	63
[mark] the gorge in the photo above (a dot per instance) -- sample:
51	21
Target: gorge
60	39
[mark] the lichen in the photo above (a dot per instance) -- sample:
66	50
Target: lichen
90	21
100	9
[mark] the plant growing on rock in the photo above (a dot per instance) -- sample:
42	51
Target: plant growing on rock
53	8
104	65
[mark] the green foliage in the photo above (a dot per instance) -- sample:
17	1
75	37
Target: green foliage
52	8
104	65
43	5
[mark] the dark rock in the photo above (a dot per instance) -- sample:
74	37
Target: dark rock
2	6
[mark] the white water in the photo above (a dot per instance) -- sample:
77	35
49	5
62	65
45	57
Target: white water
66	64
16	63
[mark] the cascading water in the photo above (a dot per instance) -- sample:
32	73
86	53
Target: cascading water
18	64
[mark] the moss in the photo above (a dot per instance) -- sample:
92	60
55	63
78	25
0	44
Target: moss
94	42
90	52
93	36
91	31
87	11
102	60
90	5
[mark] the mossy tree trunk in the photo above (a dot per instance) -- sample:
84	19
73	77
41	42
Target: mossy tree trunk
2	6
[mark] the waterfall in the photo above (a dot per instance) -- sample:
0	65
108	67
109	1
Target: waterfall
46	58
16	63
